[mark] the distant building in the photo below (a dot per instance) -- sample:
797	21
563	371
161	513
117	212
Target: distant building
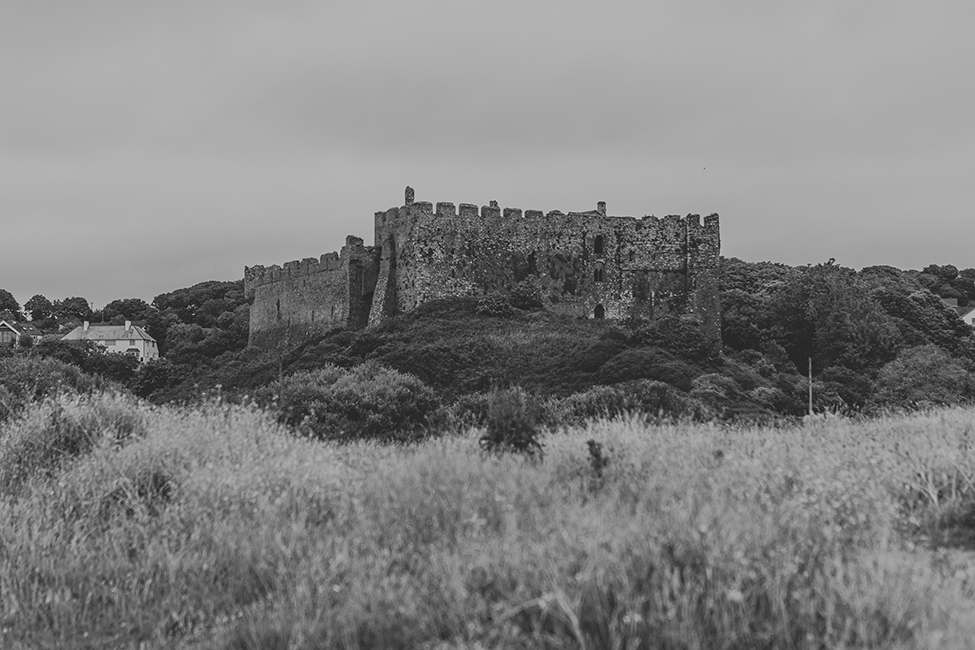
11	331
123	339
967	314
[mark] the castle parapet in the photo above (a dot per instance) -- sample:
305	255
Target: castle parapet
489	211
468	210
256	276
445	209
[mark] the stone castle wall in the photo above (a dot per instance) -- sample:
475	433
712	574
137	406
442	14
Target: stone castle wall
332	291
585	264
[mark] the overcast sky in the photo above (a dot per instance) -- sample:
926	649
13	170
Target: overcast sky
146	147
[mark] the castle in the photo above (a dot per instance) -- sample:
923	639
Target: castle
583	264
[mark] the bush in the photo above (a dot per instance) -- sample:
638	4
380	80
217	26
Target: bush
511	426
90	357
630	365
368	401
853	388
26	379
924	376
651	398
526	296
681	336
494	304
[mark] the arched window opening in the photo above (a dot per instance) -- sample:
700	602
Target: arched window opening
597	274
597	245
599	312
632	255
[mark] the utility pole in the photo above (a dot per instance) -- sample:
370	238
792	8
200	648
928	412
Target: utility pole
810	387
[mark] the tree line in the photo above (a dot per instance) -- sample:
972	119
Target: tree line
877	338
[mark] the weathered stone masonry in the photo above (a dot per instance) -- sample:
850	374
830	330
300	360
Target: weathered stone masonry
584	264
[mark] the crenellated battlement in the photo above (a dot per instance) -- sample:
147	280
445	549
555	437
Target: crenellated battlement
255	276
446	209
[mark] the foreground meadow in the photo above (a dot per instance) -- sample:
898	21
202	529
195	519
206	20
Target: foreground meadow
128	526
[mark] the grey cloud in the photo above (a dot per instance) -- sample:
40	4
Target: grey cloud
240	133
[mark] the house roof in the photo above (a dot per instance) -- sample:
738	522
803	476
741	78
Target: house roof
966	312
21	328
106	333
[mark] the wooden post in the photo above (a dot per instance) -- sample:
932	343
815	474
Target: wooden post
810	387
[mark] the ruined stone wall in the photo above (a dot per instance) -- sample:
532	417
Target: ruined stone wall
585	264
312	294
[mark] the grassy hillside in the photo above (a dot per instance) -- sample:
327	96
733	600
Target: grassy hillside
123	524
462	353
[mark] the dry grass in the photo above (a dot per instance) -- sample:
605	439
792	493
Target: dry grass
214	528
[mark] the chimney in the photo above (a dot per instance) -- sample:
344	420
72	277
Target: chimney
86	326
128	325
601	207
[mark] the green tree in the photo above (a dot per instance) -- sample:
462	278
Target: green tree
202	303
924	376
9	304
39	308
127	308
74	308
829	314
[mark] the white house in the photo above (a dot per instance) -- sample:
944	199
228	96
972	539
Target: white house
11	331
123	339
967	314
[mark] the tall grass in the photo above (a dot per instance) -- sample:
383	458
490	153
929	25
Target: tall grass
213	527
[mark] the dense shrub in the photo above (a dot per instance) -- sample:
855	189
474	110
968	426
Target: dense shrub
25	379
682	336
853	388
90	357
651	398
924	376
494	304
368	401
646	363
526	296
511	425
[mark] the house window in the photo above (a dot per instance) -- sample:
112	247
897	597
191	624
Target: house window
597	246
132	343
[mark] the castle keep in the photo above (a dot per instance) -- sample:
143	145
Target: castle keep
583	264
